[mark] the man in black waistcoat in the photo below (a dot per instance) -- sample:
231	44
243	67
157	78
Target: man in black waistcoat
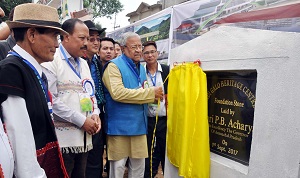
26	104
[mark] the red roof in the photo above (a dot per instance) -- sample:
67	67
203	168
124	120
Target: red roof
186	25
287	11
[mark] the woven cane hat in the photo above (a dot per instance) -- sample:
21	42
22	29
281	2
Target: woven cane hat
35	15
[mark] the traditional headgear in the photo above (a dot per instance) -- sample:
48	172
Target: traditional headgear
91	26
35	15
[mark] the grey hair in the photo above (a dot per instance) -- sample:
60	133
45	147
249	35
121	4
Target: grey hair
127	35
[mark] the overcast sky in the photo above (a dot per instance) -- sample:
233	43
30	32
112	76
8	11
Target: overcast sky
121	19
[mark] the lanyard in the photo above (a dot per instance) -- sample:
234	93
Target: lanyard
71	66
94	58
134	72
153	79
38	77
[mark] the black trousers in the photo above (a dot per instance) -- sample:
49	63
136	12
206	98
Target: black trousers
75	164
94	166
159	150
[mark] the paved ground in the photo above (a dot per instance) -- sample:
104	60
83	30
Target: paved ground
158	175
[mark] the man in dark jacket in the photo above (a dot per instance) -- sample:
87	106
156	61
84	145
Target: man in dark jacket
94	167
156	75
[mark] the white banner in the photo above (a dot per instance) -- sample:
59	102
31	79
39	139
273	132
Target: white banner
193	19
153	28
186	21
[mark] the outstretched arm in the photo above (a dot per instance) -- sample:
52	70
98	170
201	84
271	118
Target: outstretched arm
112	80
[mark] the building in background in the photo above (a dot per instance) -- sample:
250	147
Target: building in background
168	3
69	6
145	10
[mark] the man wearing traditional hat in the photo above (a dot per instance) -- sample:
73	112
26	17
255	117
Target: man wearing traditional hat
25	101
76	114
94	167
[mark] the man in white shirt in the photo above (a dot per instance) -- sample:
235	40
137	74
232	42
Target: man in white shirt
76	114
26	104
156	75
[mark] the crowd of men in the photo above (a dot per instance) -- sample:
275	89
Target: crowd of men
63	100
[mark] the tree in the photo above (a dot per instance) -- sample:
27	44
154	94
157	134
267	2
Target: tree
99	26
103	8
7	5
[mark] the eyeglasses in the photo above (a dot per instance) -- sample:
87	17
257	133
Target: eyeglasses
149	52
136	47
93	39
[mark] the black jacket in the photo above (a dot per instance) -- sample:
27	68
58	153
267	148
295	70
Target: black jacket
6	46
164	74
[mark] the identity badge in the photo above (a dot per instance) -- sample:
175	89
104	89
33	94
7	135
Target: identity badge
86	103
88	87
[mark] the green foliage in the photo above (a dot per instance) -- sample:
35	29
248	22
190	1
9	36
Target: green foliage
143	30
103	8
164	28
99	26
7	5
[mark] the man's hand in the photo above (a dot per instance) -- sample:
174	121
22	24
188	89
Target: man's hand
159	94
2	14
90	126
96	118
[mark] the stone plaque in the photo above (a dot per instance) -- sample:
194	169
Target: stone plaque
231	103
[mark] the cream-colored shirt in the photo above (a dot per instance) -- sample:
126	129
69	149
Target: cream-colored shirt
120	147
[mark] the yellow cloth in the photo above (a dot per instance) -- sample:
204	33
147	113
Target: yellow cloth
187	135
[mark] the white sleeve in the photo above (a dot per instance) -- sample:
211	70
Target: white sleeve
59	107
6	155
20	134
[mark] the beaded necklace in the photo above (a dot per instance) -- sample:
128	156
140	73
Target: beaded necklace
99	88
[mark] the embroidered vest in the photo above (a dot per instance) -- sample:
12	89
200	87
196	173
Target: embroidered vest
69	86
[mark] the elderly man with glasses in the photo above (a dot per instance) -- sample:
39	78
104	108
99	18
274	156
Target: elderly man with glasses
126	110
